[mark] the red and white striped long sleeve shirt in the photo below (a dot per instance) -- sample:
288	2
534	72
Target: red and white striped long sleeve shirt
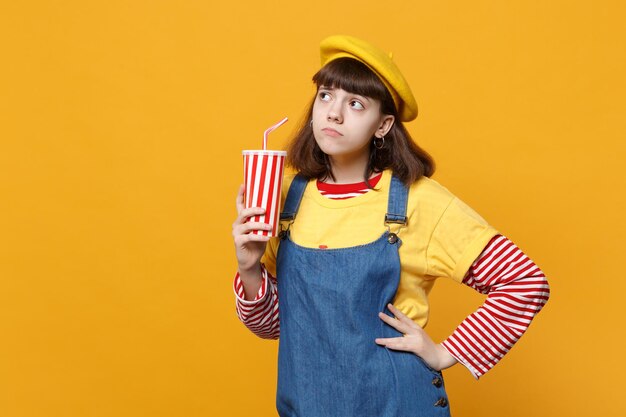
517	290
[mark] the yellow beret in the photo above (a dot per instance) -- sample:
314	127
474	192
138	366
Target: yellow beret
339	46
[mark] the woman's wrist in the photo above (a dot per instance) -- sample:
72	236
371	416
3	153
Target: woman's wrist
446	360
253	271
251	279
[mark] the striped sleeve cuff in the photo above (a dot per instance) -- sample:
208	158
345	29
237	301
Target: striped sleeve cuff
240	293
261	314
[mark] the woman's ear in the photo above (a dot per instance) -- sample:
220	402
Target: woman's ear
386	123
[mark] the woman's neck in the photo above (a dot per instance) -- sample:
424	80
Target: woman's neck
347	171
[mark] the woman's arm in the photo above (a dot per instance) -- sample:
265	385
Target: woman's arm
249	247
255	308
517	290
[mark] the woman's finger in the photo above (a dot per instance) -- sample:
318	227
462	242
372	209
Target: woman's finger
401	316
245	228
245	214
395	323
241	240
395	343
239	200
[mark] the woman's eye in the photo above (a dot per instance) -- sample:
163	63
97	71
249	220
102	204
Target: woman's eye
324	96
356	105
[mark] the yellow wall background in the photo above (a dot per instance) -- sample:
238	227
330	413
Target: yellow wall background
121	126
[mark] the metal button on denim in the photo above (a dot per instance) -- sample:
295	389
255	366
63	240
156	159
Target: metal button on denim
437	381
392	238
441	402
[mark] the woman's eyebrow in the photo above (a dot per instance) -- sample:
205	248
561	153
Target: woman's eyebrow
360	96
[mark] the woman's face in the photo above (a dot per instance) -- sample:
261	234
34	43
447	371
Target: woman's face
344	123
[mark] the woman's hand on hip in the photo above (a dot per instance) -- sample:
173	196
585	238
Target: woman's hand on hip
415	340
248	247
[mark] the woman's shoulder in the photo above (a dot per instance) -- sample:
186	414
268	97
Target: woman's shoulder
426	195
430	190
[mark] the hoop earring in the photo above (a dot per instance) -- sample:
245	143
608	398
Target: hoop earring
379	143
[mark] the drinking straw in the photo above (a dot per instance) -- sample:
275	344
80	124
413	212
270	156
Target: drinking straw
277	125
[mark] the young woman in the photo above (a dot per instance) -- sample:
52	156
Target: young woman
366	233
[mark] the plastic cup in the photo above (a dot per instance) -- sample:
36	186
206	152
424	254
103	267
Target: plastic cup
263	181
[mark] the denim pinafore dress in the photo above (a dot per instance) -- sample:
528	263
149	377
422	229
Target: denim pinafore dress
328	362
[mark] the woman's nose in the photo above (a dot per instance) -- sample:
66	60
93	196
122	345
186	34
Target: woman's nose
334	114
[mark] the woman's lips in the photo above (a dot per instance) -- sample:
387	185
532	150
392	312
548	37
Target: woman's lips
331	132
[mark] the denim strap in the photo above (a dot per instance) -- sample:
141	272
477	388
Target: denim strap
294	196
398	197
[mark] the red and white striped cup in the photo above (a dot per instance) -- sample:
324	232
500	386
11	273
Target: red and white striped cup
263	180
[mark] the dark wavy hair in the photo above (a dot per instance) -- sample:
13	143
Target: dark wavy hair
400	153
